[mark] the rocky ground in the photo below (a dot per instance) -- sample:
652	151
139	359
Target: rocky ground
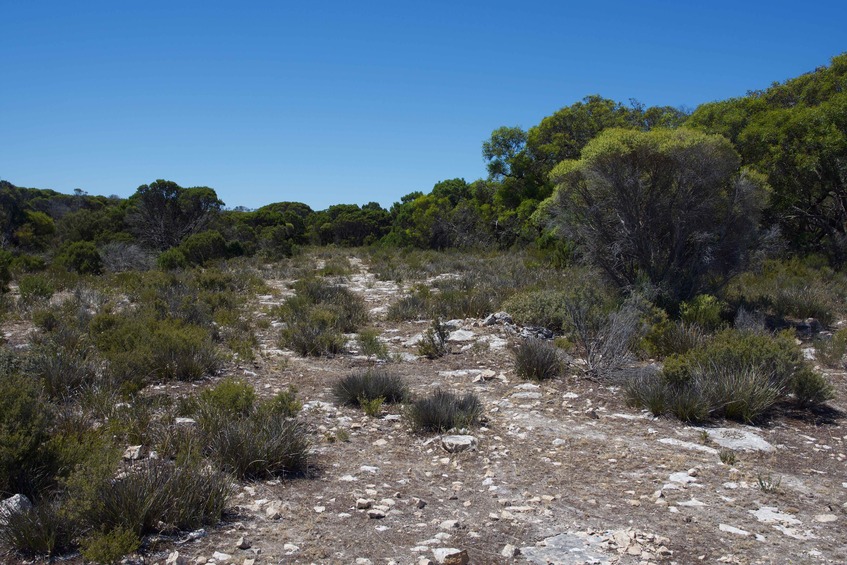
561	472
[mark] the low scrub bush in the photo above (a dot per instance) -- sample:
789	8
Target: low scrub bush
43	530
442	411
537	360
232	397
704	311
156	495
414	306
666	337
313	332
433	343
109	547
736	375
35	288
791	289
370	385
370	344
81	257
832	352
546	308
260	445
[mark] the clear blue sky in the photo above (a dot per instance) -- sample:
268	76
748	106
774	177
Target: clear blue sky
350	102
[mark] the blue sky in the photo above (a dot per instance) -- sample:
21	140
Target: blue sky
352	102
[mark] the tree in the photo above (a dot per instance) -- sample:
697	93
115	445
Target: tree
163	213
668	206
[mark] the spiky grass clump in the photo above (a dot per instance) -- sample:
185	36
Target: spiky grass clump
537	360
443	410
370	385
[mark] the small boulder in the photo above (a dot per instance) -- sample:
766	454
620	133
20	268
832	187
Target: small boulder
458	443
451	556
13	505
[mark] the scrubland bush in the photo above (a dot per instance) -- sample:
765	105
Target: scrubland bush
791	289
35	288
665	337
537	360
369	385
832	351
433	343
81	257
370	344
442	411
546	308
317	315
737	375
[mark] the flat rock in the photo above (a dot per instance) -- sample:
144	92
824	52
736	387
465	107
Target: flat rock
688	445
739	439
461	335
733	530
458	443
771	515
567	549
451	556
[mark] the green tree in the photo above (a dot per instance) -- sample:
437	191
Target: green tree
668	206
163	213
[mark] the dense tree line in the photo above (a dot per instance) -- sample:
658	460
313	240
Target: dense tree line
651	193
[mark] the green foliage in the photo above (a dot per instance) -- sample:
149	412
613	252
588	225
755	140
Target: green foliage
317	315
151	495
433	343
372	407
442	411
370	344
667	206
739	375
110	547
796	134
230	396
200	248
537	360
791	289
545	307
5	270
832	352
666	337
283	405
370	385
25	420
172	259
81	257
704	311
162	214
259	445
43	530
35	288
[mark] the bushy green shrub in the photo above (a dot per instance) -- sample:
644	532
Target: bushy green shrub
739	375
182	352
832	351
370	385
43	530
313	332
791	289
704	311
109	547
546	308
442	411
370	344
256	446
537	360
35	288
433	343
284	404
666	337
152	495
203	247
317	315
172	259
81	257
25	420
414	306
6	258
231	396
